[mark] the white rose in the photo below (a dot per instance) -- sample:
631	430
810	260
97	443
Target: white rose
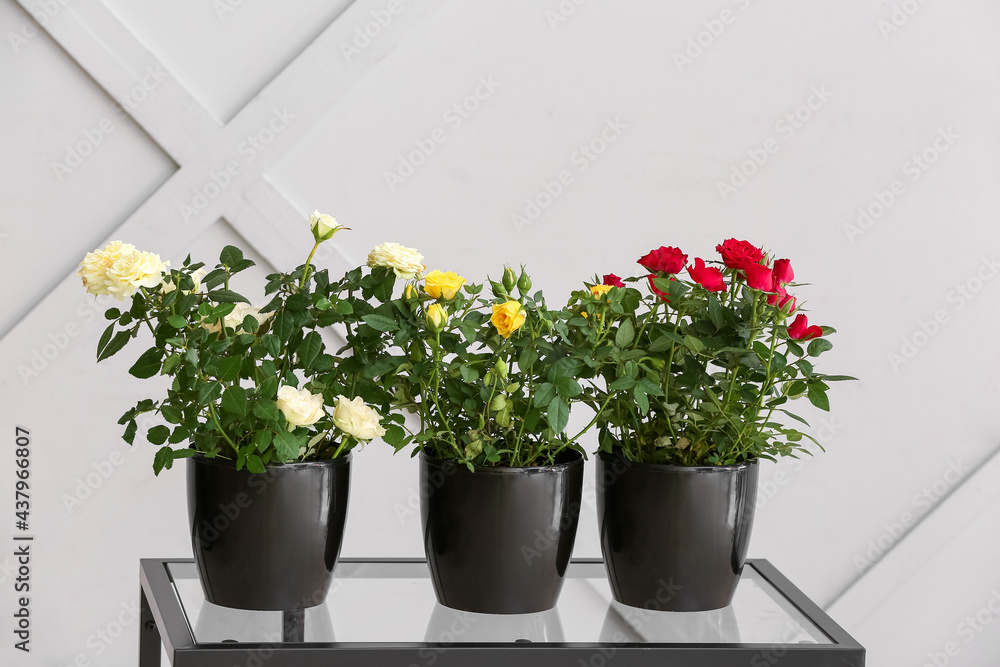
234	320
94	267
323	226
197	276
134	269
357	419
300	407
406	262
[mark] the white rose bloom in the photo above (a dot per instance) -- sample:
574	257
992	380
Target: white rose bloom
355	418
300	407
323	226
94	267
134	269
234	320
196	276
406	262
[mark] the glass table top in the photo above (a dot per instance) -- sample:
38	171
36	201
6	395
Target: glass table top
393	601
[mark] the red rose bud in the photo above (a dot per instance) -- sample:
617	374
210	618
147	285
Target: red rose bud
665	259
783	272
613	280
759	277
708	277
800	329
777	292
787	305
660	293
739	254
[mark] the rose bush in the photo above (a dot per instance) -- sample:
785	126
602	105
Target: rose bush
250	384
699	371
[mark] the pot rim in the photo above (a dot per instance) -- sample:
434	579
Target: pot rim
576	462
670	467
297	465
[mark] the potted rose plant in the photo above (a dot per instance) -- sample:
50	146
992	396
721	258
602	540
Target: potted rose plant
490	385
692	378
264	414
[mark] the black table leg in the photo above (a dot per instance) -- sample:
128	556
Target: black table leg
293	625
149	635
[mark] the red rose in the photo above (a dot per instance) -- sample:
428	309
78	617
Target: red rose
759	277
739	254
800	329
665	259
613	280
708	277
658	292
783	272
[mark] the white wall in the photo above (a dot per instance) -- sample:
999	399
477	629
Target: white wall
199	78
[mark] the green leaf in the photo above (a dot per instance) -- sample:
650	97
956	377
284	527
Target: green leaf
148	364
544	394
817	396
380	322
117	343
164	459
170	363
287	445
105	339
568	387
469	374
226	369
254	464
625	335
818	346
241	265
129	435
266	409
227	296
112	314
344	308
208	392
214	278
693	344
230	255
641	399
177	321
172	414
622	384
715	312
557	414
395	436
309	348
158	434
838	378
234	401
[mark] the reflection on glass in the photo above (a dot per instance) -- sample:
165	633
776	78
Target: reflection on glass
624	624
213	623
450	626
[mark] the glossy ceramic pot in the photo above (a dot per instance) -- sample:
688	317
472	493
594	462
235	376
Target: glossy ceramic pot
674	538
499	540
267	541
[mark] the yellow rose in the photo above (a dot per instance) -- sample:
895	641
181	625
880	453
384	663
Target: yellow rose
436	317
507	317
445	285
300	407
405	262
94	267
234	320
134	269
598	291
357	419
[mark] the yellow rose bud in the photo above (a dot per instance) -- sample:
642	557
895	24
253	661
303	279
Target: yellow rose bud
509	279
436	317
410	292
323	226
443	285
507	318
599	290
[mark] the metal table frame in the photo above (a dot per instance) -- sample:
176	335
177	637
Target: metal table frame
163	620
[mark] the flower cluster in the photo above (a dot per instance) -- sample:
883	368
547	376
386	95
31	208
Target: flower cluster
250	383
698	370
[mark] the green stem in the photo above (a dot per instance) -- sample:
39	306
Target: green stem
215	418
305	270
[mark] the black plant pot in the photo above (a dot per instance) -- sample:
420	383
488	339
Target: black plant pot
267	541
674	538
498	540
